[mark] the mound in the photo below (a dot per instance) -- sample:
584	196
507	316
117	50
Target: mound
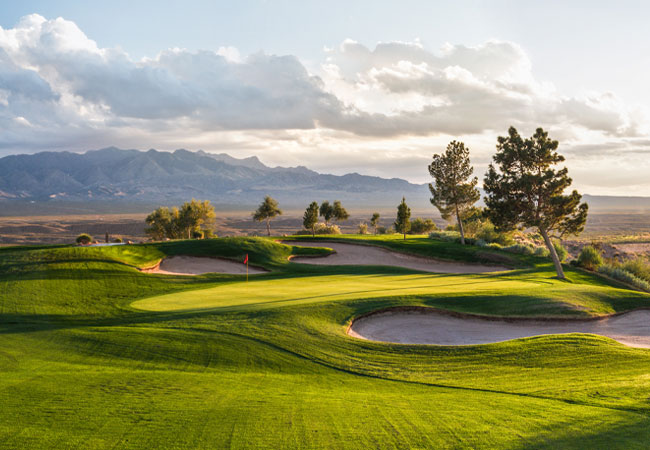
366	255
429	326
193	265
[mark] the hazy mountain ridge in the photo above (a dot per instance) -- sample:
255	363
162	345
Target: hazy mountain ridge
153	176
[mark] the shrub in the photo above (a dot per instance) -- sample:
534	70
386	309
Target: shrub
481	243
621	274
590	258
118	240
560	250
542	251
487	232
495	246
422	226
638	267
382	230
448	236
197	234
363	228
321	228
521	249
84	239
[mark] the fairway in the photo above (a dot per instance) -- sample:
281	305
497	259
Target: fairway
97	354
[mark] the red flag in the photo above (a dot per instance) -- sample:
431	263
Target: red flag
246	259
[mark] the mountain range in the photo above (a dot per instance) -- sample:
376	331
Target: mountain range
158	177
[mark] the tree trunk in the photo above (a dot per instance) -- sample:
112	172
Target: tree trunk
404	236
460	227
313	231
268	226
551	249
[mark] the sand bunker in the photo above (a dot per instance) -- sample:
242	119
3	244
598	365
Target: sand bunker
429	326
193	265
352	254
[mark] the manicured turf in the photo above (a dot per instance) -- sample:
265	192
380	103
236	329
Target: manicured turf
94	354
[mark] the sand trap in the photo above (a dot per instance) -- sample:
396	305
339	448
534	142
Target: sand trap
429	326
194	265
366	255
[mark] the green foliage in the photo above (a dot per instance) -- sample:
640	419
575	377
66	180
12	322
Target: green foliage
310	218
383	230
339	212
590	258
322	228
402	223
525	190
363	228
326	211
453	192
180	223
84	239
521	249
197	234
422	226
619	273
374	221
267	210
639	267
541	252
118	240
562	252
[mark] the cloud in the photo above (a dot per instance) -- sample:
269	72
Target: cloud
390	105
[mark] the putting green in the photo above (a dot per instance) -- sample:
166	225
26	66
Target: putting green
298	291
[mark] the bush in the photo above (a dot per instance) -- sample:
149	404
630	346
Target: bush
488	233
621	274
521	249
382	230
590	258
197	234
542	251
84	239
495	246
118	240
320	228
448	236
560	250
481	243
638	267
363	228
422	226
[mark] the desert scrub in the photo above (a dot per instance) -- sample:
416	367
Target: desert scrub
590	258
620	274
639	267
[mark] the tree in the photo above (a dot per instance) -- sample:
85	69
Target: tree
374	221
339	212
193	215
310	218
454	192
326	211
178	224
524	190
267	210
403	223
160	224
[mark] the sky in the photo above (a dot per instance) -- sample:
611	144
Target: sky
338	86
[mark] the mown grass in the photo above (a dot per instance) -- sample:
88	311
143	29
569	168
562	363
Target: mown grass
94	354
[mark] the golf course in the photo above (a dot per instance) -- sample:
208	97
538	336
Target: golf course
99	349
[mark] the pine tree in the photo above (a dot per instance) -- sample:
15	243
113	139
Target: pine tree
310	218
403	223
454	191
524	190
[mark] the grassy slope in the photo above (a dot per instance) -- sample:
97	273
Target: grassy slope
267	364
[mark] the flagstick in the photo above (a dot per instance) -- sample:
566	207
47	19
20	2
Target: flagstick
246	270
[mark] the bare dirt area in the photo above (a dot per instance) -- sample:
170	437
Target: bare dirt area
193	265
366	255
430	326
